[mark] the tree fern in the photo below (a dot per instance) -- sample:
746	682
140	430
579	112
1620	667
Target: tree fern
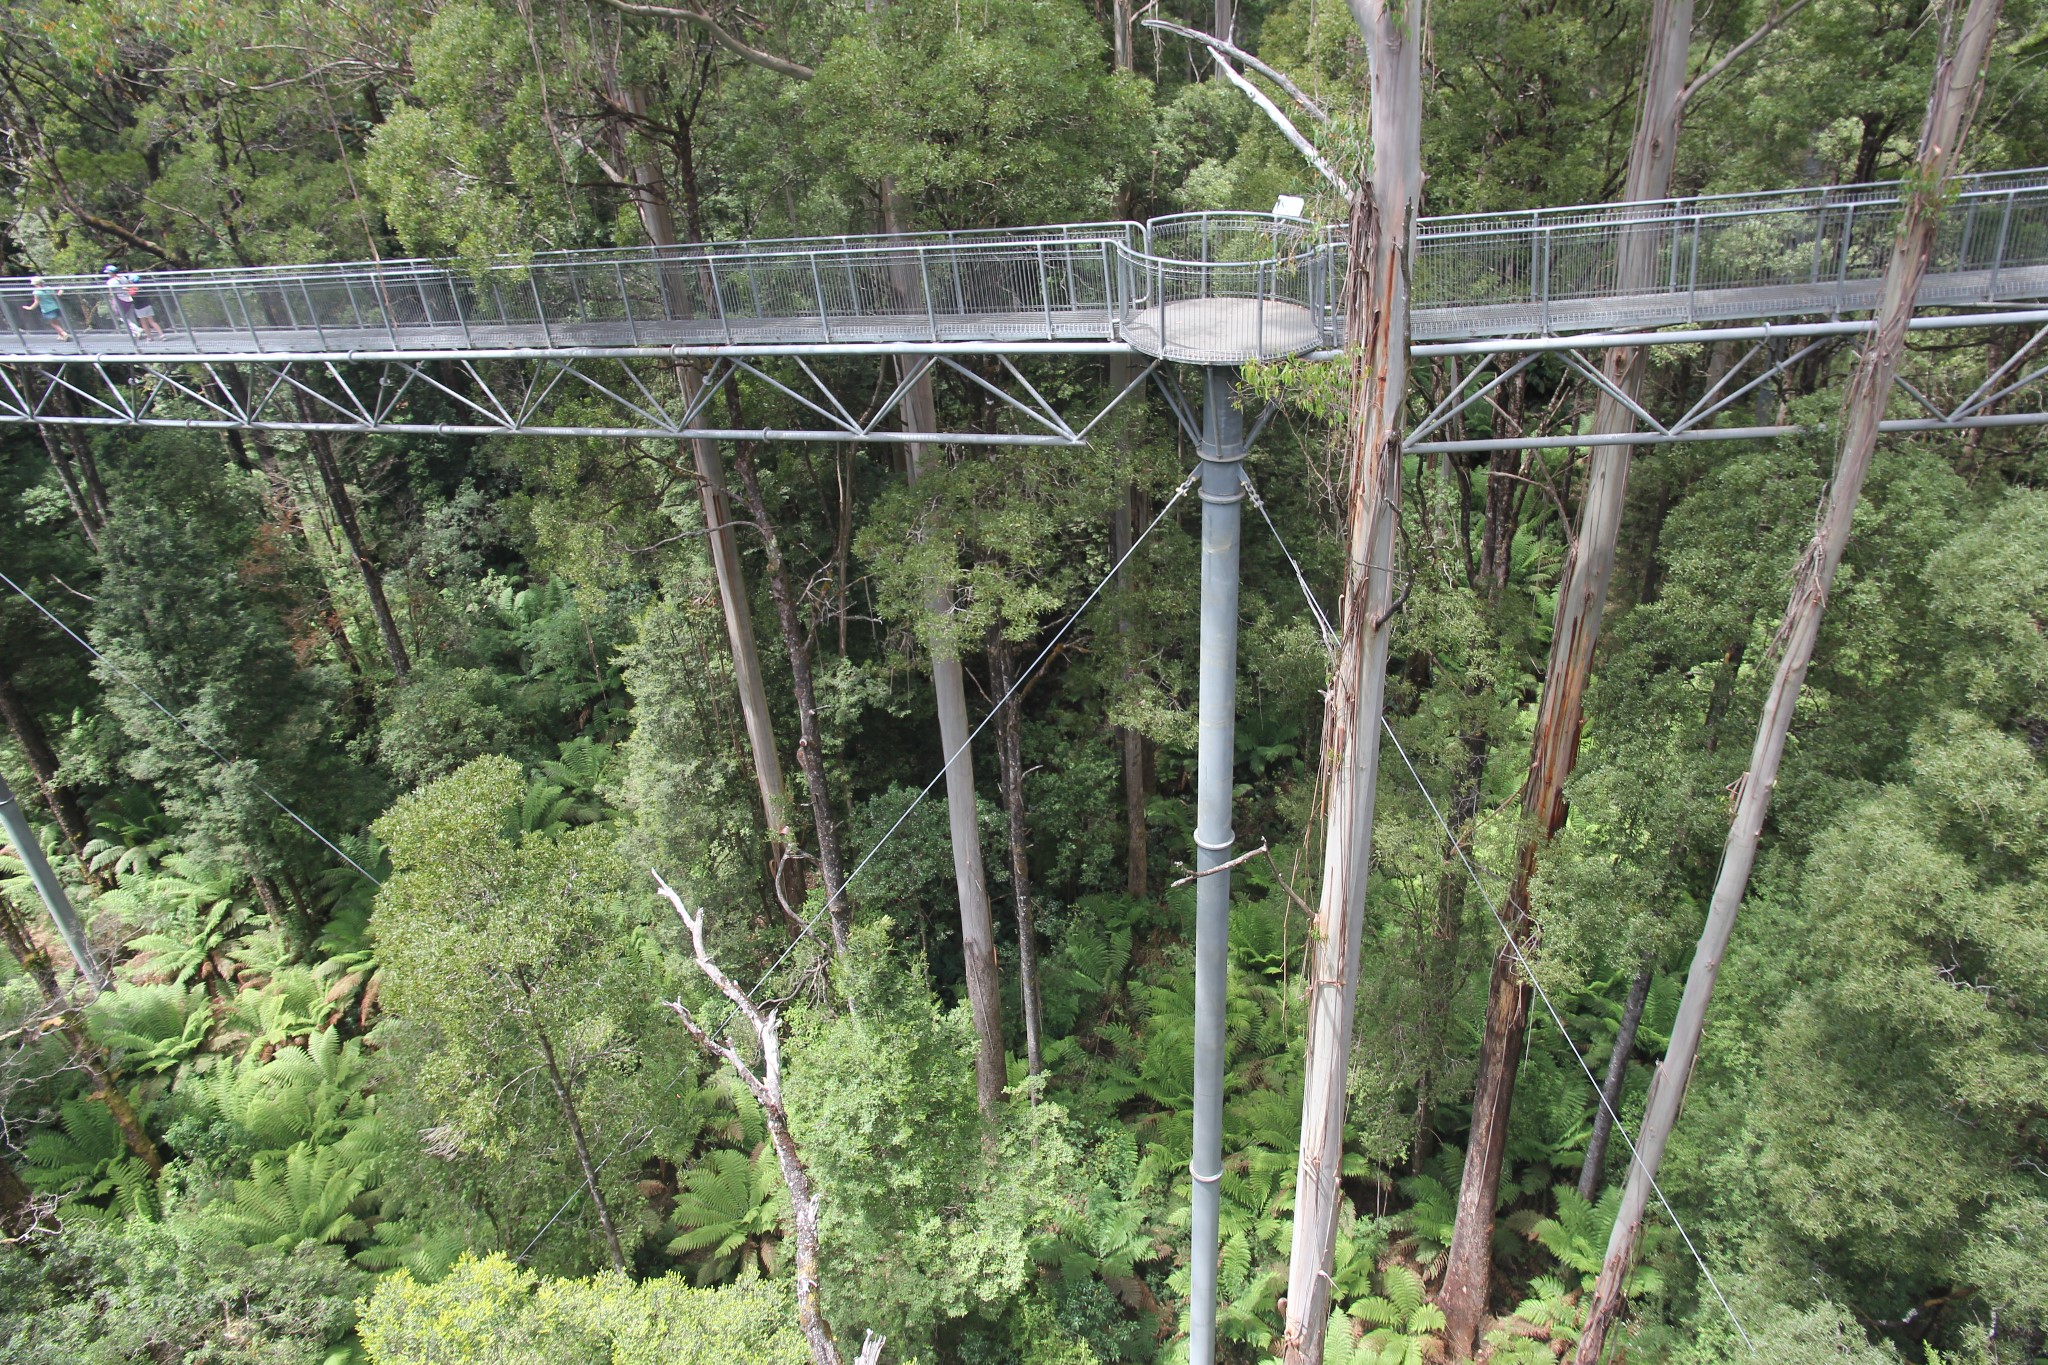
152	1028
84	1158
310	1193
730	1209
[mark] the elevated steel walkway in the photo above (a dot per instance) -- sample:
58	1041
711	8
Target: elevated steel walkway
1198	288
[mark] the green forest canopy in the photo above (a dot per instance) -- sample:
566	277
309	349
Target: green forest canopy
496	674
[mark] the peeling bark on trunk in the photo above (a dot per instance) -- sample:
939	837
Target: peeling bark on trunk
1382	232
1958	84
1594	1170
796	644
1581	600
1010	754
91	1058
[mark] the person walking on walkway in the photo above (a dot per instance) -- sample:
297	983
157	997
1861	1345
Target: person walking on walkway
43	297
118	298
141	309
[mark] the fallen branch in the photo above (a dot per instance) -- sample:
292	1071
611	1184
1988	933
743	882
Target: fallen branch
1300	96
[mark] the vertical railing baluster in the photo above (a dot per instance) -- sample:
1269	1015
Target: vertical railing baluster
2004	229
1543	286
306	293
924	279
540	310
1692	282
626	302
817	284
717	293
1842	266
1044	289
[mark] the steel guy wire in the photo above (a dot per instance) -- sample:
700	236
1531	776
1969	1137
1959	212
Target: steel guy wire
1023	677
1528	969
194	735
574	1195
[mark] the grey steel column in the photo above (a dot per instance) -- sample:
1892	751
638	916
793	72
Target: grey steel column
15	824
1222	492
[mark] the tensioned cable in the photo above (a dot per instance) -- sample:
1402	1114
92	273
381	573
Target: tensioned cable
1023	677
1514	946
172	716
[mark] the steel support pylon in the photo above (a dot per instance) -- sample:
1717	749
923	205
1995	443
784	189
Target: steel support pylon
14	824
1222	452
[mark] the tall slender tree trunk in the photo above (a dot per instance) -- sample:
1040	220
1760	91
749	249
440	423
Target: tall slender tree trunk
1002	656
1581	600
80	440
81	511
1593	1170
796	642
34	744
1958	84
949	687
1382	237
649	190
977	921
91	1058
359	549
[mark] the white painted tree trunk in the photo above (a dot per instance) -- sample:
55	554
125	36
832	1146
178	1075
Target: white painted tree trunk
1382	231
1958	83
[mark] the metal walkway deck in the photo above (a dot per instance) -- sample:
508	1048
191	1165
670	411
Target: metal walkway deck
1199	288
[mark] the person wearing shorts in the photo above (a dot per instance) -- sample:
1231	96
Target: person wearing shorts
141	310
43	298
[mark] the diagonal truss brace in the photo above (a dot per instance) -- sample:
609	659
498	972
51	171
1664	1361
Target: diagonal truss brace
1472	388
507	397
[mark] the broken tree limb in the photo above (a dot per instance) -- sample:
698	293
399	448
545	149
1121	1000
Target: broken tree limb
765	1085
1236	53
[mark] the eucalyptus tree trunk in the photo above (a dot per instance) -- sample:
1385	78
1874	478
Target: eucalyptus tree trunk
1958	84
977	922
1010	755
1581	601
810	755
1382	236
949	686
650	196
1135	750
74	493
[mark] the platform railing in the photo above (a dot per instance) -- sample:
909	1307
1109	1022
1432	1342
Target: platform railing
1207	287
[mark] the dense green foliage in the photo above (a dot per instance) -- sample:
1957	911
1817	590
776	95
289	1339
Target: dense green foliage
401	1083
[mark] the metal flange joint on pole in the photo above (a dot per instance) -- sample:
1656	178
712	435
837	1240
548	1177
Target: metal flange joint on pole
1222	451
